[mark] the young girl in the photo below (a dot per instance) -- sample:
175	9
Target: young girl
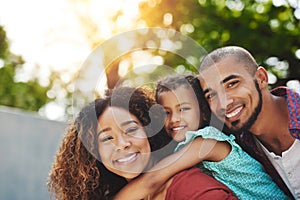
219	153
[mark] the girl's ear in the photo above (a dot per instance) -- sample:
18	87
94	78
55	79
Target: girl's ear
203	120
204	117
262	77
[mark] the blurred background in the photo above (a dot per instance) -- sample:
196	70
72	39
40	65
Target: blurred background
44	46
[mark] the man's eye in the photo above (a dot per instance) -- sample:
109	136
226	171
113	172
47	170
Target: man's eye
231	84
210	96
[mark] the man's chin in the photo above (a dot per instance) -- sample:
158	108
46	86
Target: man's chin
236	128
239	128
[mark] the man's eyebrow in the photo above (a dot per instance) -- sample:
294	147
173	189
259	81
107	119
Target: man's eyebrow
228	78
207	90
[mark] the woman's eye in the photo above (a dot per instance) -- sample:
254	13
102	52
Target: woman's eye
105	139
131	130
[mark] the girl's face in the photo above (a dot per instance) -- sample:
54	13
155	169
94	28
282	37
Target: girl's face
123	145
182	111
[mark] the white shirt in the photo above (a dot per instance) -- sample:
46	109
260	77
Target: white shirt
287	165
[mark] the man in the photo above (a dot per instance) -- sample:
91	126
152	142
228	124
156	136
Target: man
266	123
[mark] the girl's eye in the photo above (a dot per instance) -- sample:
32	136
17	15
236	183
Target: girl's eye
184	109
167	112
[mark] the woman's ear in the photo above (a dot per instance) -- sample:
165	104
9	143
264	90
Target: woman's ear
261	76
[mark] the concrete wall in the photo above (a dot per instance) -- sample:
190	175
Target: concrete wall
27	147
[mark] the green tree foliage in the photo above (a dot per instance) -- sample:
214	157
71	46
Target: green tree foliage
269	32
25	95
259	26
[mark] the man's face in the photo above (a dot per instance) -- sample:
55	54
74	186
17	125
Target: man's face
233	93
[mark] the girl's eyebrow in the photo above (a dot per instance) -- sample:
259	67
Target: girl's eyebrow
183	103
178	105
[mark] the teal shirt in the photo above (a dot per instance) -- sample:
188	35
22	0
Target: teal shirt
240	172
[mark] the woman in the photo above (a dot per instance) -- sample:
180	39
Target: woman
110	143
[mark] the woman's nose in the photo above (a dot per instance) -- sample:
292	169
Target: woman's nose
123	142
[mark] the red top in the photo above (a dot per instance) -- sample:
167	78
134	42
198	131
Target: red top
193	184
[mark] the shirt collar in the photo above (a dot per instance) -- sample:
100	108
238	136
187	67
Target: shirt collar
293	103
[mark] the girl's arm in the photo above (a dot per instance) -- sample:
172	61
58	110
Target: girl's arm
196	151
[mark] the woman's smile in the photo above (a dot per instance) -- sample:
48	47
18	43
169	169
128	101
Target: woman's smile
127	159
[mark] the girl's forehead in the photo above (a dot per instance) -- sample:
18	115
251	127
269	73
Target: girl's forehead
181	94
179	88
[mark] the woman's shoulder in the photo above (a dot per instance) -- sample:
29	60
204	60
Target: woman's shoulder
194	184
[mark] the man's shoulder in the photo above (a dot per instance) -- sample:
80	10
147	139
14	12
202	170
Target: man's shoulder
280	91
285	91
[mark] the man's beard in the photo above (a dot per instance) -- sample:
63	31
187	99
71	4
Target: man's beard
254	115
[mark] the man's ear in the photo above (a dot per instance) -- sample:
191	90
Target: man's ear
261	76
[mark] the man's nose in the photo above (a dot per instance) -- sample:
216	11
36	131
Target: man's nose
225	99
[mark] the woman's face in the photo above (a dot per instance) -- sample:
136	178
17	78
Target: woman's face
123	145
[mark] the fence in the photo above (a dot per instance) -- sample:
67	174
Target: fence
27	147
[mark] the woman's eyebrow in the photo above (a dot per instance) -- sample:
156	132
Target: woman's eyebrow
122	124
103	130
128	122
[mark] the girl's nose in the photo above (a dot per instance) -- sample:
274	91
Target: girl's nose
175	117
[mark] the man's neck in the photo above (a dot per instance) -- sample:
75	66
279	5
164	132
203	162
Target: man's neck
271	127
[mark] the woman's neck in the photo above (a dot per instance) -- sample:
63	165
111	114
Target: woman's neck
150	164
161	194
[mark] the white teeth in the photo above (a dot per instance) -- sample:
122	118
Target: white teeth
234	113
178	128
127	158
